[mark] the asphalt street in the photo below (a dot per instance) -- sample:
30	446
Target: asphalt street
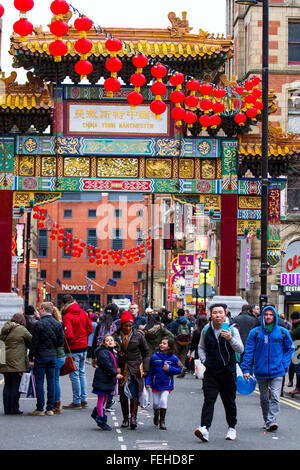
76	430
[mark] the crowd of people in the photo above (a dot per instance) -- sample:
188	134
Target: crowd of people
133	354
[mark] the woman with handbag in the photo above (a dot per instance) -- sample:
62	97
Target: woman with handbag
17	339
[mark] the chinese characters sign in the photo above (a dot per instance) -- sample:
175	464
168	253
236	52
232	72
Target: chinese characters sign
93	118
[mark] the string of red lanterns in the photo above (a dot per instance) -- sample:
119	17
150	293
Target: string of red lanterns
113	65
23	27
58	28
158	106
138	79
83	46
1	10
75	246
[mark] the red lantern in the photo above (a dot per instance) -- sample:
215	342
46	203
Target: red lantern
252	113
23	28
190	118
23	5
257	93
219	93
134	98
218	107
178	114
159	71
215	120
206	89
193	85
58	49
191	101
1	10
240	119
83	23
177	96
113	64
112	84
138	80
177	80
83	46
140	61
59	7
256	80
239	90
205	104
205	121
59	28
158	88
258	105
250	99
113	45
248	85
158	107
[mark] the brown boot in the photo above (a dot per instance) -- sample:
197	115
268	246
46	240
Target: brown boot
134	403
156	417
162	418
125	411
56	407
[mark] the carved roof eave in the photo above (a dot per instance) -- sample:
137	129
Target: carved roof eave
281	145
33	95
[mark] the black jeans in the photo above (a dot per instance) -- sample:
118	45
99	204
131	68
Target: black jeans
213	385
11	393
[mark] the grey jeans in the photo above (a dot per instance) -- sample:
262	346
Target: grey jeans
270	401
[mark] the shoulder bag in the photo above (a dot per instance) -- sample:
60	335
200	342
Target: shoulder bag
69	365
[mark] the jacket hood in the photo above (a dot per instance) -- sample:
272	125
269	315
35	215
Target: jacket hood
262	320
7	327
182	320
73	308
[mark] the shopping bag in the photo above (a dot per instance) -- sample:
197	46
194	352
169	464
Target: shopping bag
144	397
25	382
2	353
199	369
31	393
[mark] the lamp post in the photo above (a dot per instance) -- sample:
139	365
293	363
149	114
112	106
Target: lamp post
264	147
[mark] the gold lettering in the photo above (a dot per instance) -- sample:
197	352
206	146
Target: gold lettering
91	113
79	114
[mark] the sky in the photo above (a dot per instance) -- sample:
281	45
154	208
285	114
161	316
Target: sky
132	14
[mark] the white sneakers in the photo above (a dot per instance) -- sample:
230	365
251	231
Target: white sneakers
231	434
203	434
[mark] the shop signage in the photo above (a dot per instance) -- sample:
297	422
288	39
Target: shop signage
288	279
291	259
93	118
75	288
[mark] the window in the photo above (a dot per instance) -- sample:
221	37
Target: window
294	111
43	274
139	236
118	213
67	274
294	43
43	243
67	213
117	275
140	275
91	238
117	239
91	274
92	213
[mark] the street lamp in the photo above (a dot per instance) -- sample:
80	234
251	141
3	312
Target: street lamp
264	147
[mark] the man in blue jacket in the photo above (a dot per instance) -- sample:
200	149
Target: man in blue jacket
271	348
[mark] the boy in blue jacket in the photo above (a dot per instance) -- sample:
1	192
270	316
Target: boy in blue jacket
163	366
271	348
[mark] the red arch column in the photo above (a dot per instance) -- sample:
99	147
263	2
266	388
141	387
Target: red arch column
6	217
228	254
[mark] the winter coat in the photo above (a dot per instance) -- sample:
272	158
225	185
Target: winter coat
175	325
106	372
158	378
244	322
30	323
139	320
77	327
17	340
295	332
47	336
154	336
271	352
136	354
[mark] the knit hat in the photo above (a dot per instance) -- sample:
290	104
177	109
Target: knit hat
295	315
29	310
126	317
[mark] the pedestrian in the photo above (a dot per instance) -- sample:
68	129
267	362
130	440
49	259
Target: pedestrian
95	321
17	339
30	317
163	366
181	329
139	319
295	368
217	347
47	337
244	322
154	331
105	380
134	362
255	310
270	347
77	328
60	360
167	319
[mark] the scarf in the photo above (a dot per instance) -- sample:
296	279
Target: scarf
125	341
270	327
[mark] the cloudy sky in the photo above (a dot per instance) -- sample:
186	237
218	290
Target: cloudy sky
208	15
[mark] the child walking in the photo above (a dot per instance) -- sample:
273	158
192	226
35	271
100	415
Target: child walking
105	379
163	366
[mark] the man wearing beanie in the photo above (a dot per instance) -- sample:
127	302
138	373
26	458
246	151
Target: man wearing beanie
29	313
134	362
181	329
295	335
